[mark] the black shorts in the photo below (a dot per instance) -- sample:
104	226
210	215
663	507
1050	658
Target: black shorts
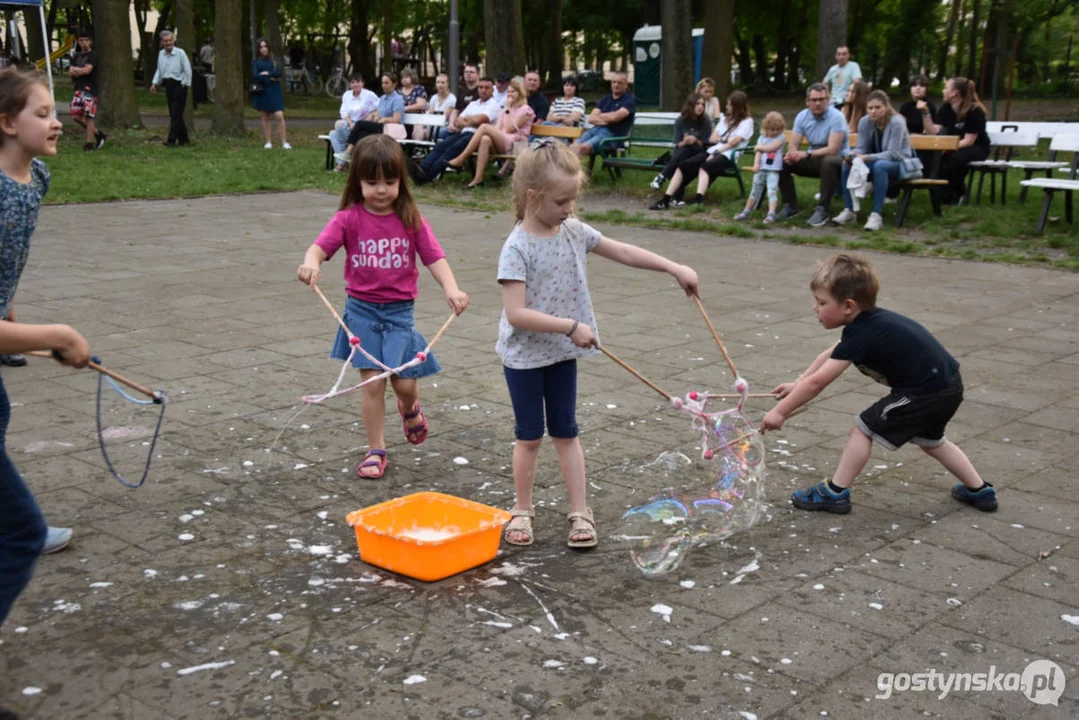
904	417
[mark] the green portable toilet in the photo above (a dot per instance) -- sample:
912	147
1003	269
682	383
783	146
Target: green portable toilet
648	63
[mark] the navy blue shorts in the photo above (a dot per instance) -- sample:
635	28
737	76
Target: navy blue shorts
386	331
554	388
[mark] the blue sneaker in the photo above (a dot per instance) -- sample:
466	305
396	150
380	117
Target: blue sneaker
820	497
56	540
984	499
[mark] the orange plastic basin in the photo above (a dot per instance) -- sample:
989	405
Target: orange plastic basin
428	536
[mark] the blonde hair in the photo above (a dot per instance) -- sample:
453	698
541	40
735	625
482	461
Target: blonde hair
706	82
847	276
773	121
522	95
536	167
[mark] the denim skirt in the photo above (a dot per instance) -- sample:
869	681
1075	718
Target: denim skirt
385	331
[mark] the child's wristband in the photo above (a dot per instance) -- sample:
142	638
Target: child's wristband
573	329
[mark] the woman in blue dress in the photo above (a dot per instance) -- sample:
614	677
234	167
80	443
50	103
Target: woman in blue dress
266	73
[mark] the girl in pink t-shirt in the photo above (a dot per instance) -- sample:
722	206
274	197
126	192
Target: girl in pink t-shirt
383	234
514	124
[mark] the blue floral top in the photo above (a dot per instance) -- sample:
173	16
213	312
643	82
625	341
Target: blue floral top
19	205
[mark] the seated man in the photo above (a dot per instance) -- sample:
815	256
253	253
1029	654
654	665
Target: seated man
825	129
536	99
482	110
612	116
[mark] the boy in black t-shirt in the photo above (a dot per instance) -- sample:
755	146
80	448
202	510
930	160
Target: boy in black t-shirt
84	102
893	350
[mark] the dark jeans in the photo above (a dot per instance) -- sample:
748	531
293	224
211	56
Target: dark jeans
552	387
22	527
445	150
680	155
827	168
955	166
715	165
176	97
363	128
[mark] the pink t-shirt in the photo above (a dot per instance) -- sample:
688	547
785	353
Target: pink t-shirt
380	262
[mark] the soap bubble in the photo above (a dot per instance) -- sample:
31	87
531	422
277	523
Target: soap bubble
729	498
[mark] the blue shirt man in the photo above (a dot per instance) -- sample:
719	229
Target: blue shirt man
612	116
823	127
174	73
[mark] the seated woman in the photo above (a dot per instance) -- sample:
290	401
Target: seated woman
964	115
691	132
854	104
706	88
438	104
415	96
391	107
569	109
513	125
731	134
919	105
883	143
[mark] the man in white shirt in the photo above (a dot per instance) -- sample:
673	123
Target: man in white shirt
480	111
356	103
841	75
174	72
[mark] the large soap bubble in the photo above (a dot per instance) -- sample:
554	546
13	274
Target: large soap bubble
661	531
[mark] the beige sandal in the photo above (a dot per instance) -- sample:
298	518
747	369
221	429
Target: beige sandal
521	522
582	523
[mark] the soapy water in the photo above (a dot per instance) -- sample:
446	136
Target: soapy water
728	498
428	534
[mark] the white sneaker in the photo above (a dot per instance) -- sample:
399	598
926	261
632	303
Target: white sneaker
342	157
286	146
874	222
267	146
890	200
845	217
657	182
816	198
56	540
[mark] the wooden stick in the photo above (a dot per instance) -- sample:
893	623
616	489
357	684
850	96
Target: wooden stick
736	395
633	372
726	356
441	330
333	310
105	371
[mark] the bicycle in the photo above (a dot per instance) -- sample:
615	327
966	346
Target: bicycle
294	77
336	83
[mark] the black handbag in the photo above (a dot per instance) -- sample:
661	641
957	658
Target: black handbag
256	88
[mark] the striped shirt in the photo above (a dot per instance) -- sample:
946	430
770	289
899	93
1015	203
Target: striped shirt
563	107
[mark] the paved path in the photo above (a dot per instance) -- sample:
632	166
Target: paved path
205	594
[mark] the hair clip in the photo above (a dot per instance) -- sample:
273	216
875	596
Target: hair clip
543	142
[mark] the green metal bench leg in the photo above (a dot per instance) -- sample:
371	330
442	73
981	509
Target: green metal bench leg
329	155
1045	211
1068	207
904	203
741	183
1023	193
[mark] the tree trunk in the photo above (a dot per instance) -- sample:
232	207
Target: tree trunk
504	35
761	52
229	64
554	43
972	50
35	48
185	31
112	37
831	33
359	42
387	36
949	38
745	60
718	45
676	52
783	46
999	60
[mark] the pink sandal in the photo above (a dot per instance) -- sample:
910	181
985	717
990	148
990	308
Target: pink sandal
415	434
374	458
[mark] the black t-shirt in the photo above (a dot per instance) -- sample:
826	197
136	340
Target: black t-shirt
913	115
539	104
86	83
465	96
974	122
896	351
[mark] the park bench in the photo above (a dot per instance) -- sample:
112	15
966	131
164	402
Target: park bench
1060	143
936	144
540	131
431	120
649	130
1004	145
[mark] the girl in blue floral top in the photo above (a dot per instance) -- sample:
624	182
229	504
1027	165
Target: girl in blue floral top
28	127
